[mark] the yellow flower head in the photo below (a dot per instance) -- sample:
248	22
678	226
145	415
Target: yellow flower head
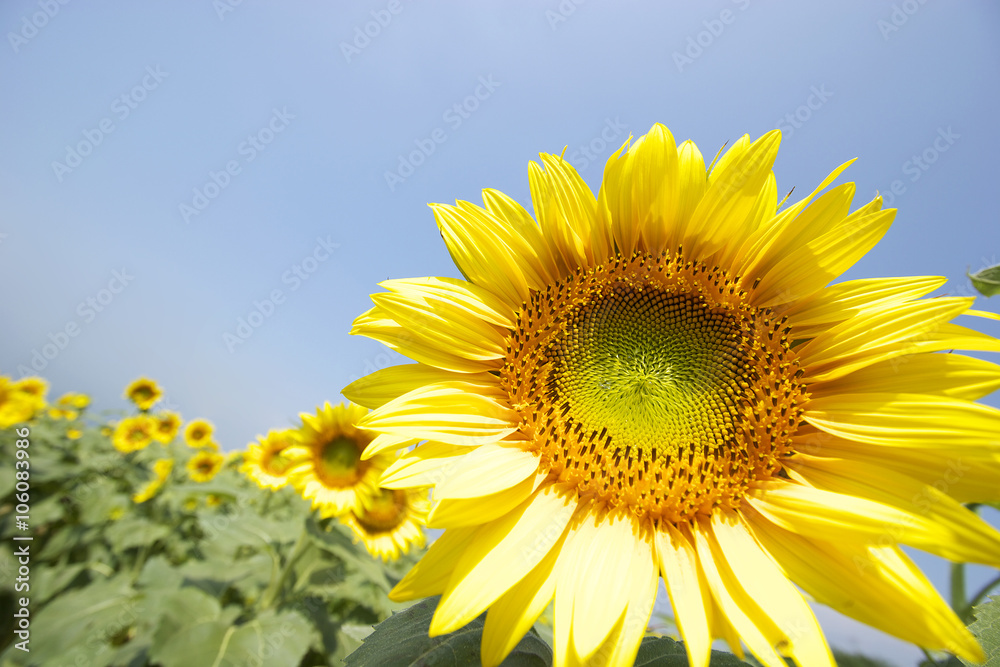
198	433
204	465
74	433
328	466
167	425
391	521
144	393
133	433
20	400
213	500
662	382
74	400
161	469
264	461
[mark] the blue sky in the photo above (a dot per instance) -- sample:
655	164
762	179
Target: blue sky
206	192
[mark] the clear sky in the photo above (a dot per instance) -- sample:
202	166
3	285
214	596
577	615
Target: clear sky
206	192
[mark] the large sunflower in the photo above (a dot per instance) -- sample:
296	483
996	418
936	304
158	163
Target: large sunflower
328	466
660	381
391	521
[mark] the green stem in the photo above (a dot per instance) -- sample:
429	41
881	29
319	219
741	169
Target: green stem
930	658
958	601
270	596
978	597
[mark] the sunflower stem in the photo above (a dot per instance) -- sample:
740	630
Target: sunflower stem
270	596
958	601
930	658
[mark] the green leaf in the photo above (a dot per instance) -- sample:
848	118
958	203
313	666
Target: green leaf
403	640
178	611
47	581
986	281
857	660
129	532
986	628
666	652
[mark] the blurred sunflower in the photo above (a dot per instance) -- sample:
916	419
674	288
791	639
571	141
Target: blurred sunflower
204	465
74	433
68	414
161	468
74	400
198	433
167	425
20	400
328	467
265	462
144	393
133	433
660	381
391	521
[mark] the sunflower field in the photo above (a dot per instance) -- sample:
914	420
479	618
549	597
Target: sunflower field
659	383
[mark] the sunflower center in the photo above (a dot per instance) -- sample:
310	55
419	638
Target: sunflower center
651	382
338	462
384	511
276	464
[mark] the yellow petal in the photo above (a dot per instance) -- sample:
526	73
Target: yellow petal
685	585
485	470
501	553
692	181
952	375
739	608
514	612
426	465
455	512
538	260
378	388
733	188
800	635
451	415
870	336
431	573
907	420
931	520
862	583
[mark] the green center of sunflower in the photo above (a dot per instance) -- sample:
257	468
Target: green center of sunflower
338	462
653	383
276	464
384	511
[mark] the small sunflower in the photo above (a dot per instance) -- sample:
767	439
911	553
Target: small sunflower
20	400
68	414
74	433
204	465
161	468
329	469
167	425
144	393
198	433
661	382
391	521
133	433
74	400
265	463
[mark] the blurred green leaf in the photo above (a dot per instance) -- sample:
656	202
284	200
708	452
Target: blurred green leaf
403	640
132	531
666	652
857	660
987	281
